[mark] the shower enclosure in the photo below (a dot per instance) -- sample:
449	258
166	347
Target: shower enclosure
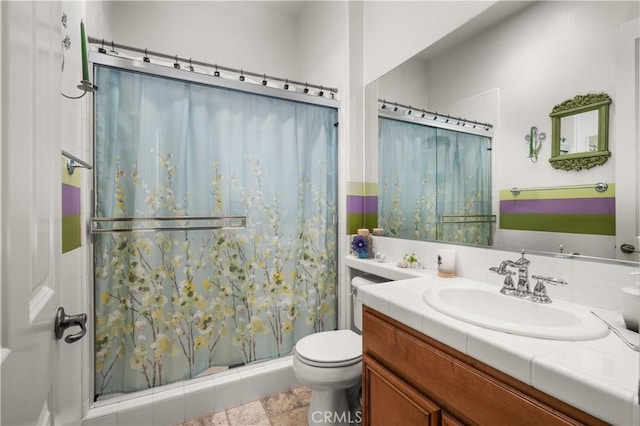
214	224
434	183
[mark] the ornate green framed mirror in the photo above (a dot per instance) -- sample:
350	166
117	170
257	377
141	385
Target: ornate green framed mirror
580	132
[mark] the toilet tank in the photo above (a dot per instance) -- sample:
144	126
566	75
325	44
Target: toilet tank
357	297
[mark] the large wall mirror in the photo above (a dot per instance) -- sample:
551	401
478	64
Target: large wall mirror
580	132
509	66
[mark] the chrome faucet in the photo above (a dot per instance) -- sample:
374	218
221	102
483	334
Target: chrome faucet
523	290
523	276
522	264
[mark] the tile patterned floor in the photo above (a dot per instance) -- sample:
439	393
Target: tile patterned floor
283	409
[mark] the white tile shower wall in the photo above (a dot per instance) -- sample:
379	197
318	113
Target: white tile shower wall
179	402
590	283
199	398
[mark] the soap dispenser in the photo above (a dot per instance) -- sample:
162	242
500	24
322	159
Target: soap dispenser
631	303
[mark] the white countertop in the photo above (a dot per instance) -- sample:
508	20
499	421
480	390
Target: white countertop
599	376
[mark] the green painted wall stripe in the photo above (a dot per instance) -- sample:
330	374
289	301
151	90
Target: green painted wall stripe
551	194
570	223
355	188
355	221
71	238
370	221
362	188
371	188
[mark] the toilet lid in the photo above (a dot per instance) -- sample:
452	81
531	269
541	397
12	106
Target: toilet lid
331	347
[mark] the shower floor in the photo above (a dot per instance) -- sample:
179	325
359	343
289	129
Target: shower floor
283	409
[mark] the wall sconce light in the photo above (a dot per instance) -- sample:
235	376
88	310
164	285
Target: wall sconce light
534	139
85	84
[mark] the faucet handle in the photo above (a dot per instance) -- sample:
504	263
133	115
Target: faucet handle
540	291
508	287
550	280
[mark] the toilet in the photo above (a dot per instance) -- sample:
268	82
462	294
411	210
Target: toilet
330	362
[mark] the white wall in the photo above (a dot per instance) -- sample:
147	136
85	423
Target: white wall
394	31
234	34
75	269
321	43
407	84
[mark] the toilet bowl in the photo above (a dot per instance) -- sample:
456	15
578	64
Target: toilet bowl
329	363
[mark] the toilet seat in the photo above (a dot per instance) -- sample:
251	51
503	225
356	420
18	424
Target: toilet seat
330	349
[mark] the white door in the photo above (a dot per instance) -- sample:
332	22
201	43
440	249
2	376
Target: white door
30	213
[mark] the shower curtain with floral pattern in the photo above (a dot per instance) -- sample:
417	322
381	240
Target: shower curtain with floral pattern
427	172
172	305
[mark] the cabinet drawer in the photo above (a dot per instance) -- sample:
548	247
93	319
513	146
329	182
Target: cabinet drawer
470	394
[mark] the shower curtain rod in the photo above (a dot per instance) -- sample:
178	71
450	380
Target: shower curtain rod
436	115
101	43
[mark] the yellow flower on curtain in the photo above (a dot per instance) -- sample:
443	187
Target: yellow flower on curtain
287	326
206	284
104	298
201	341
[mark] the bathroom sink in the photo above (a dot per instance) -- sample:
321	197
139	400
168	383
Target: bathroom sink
486	307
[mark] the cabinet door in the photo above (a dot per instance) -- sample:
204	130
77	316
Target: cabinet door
389	401
449	420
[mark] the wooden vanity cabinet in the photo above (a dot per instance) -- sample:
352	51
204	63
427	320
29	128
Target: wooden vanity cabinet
412	379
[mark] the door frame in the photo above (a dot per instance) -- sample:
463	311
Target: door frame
626	137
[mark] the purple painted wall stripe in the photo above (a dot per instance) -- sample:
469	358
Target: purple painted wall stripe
70	200
354	204
362	204
561	206
371	204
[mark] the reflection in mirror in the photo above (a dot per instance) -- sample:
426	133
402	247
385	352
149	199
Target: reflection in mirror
485	70
580	132
434	183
